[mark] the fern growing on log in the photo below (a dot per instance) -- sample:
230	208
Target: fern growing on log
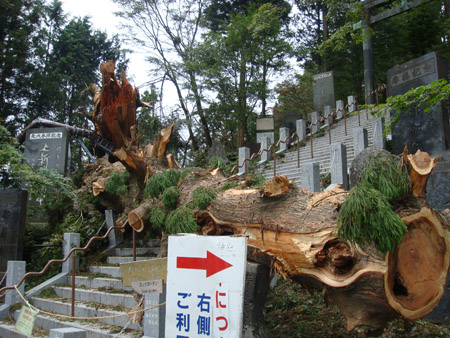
181	220
367	215
203	197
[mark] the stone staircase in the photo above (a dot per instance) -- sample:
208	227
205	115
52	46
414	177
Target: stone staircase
286	164
99	293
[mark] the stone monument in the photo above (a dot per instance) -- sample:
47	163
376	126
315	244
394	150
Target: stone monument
47	148
323	91
416	129
265	128
13	207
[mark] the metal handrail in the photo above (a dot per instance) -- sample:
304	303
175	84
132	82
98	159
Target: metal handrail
30	274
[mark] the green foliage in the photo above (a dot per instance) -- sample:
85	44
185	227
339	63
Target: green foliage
117	183
170	196
157	218
203	197
388	177
157	183
426	97
216	162
258	180
181	220
229	185
367	216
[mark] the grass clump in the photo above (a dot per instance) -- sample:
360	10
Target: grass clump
117	183
170	197
203	196
367	215
181	220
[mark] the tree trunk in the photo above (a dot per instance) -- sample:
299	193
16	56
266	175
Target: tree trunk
296	234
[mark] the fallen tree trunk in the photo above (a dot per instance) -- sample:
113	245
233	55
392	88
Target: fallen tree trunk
296	234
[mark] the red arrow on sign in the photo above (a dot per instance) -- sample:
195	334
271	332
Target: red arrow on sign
212	264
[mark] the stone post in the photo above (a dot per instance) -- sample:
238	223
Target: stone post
154	320
15	272
351	103
338	165
339	109
315	126
115	237
378	139
360	140
257	282
311	176
67	332
71	240
301	129
265	144
244	153
284	133
327	112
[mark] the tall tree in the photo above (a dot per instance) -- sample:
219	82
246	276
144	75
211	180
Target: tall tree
240	57
19	23
172	30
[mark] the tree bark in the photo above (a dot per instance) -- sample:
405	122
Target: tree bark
295	234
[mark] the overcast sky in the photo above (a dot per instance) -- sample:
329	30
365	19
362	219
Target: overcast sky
103	19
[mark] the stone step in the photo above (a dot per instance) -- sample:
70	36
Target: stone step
8	330
84	310
93	330
101	297
115	260
100	283
151	251
113	271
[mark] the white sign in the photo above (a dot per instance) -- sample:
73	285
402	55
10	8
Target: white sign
150	286
205	286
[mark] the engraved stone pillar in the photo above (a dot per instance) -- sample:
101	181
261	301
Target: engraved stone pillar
301	129
265	144
311	176
284	133
339	109
315	126
338	167
154	319
244	153
360	140
327	115
351	103
71	240
378	139
15	272
257	282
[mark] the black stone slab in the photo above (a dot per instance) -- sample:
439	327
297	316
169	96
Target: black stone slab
48	148
438	184
13	207
416	129
323	91
289	121
257	282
